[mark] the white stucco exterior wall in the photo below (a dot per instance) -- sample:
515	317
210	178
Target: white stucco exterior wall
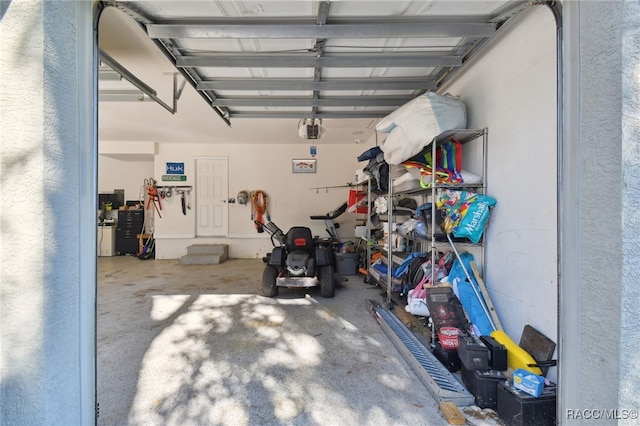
630	335
47	242
599	224
600	168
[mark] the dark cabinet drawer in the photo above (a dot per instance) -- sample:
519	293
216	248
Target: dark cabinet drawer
130	223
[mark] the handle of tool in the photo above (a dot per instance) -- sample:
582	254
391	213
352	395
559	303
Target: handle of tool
483	305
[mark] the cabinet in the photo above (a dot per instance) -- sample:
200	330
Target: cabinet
106	240
474	142
130	223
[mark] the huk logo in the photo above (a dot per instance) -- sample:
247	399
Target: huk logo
175	168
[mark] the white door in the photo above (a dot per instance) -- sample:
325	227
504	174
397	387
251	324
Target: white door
212	214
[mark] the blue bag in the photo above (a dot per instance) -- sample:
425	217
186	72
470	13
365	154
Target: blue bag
475	219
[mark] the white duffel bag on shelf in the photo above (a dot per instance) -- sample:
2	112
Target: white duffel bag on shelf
414	125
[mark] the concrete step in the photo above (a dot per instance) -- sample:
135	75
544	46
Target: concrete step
203	259
205	254
219	249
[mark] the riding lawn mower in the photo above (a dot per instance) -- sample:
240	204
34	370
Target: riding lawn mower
300	260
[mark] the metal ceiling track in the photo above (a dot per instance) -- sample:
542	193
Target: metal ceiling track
292	30
323	30
421	60
140	17
300	114
274	84
117	71
383	64
319	49
273	101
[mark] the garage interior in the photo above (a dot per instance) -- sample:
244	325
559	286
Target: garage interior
243	83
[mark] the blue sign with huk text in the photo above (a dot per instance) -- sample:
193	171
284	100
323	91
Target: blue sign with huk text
175	168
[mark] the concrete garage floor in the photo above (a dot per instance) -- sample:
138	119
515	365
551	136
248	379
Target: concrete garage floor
199	345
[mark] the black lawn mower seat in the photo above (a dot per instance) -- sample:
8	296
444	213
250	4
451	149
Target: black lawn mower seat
299	238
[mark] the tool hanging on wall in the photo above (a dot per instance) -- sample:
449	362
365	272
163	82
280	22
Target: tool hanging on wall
182	200
189	199
242	197
154	198
259	209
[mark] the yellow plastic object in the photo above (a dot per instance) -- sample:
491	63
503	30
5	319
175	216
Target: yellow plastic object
516	356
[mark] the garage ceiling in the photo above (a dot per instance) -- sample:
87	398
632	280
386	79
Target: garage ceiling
305	60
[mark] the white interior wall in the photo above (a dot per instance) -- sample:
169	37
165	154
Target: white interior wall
251	167
114	173
511	89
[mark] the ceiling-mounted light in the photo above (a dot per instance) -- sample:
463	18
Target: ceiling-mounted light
310	128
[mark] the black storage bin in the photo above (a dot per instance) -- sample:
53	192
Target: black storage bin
347	263
518	408
483	385
497	353
473	354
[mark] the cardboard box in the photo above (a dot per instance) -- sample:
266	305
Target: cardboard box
528	382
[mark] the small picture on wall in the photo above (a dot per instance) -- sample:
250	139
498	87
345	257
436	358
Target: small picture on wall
303	166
